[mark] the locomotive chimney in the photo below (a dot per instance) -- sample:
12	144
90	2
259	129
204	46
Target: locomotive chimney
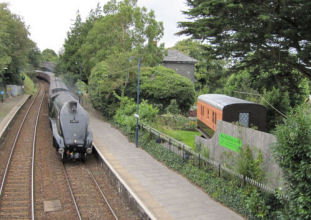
73	106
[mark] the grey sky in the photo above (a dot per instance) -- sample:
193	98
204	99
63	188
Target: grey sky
50	20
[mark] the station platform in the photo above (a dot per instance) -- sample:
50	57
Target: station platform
8	109
161	192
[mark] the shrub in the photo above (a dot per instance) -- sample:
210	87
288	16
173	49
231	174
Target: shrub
80	85
29	86
125	113
176	122
159	85
248	166
293	154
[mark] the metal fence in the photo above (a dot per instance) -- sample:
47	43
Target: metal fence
198	159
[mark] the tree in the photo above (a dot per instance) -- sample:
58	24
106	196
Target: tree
15	45
71	58
210	73
124	27
101	90
293	154
49	55
254	32
34	56
109	79
159	85
279	87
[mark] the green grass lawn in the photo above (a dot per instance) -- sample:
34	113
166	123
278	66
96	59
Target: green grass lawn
186	137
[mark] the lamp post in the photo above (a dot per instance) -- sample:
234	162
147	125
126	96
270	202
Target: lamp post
80	73
137	113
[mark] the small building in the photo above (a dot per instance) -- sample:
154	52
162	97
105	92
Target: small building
181	63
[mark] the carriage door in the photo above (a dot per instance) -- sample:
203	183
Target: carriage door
244	119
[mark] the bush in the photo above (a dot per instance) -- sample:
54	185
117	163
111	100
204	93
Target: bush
173	107
248	166
101	90
80	85
29	86
125	113
160	85
293	154
176	122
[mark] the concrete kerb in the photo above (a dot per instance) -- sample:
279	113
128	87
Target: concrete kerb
125	191
9	118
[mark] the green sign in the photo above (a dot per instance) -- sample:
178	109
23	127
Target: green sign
230	142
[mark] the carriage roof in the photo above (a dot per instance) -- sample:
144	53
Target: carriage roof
220	101
57	85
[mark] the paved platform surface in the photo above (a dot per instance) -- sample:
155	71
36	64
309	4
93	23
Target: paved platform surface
166	194
8	109
8	104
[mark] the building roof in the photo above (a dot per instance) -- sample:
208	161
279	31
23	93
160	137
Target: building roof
178	57
219	101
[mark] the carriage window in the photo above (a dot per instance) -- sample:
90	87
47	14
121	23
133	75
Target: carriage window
207	113
244	119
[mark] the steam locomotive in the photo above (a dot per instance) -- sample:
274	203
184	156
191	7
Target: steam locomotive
72	137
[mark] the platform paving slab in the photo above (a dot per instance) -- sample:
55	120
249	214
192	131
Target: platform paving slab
166	194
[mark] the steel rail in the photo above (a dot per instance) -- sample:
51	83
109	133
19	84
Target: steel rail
102	193
14	144
71	192
33	160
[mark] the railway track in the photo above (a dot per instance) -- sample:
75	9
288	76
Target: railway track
34	177
17	185
89	199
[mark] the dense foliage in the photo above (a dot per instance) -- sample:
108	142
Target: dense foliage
49	55
16	48
293	153
160	85
125	114
101	90
118	27
254	32
276	88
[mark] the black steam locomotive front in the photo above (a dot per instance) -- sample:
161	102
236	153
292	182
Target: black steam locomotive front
77	138
70	125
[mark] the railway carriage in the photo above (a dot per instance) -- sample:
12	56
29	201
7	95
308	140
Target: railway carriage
214	107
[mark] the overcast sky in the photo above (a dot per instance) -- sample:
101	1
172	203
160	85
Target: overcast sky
50	20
